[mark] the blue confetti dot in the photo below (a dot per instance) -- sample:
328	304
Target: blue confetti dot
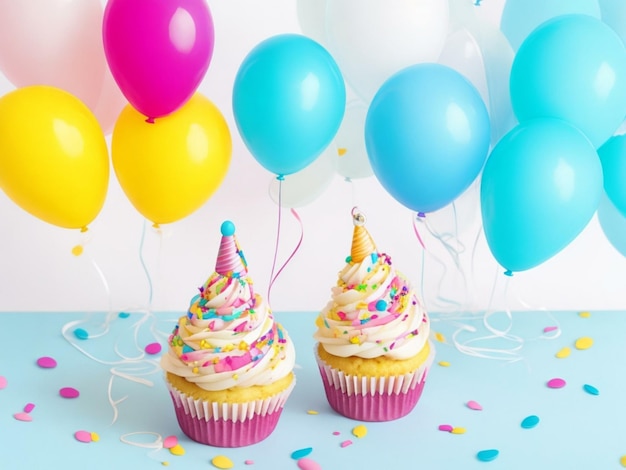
530	422
591	390
227	228
81	334
123	315
300	453
487	455
374	257
348	259
381	305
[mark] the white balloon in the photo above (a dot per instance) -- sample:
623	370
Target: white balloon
110	103
303	187
351	155
312	19
373	39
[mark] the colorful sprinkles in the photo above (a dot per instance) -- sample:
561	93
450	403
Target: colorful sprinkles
69	392
222	462
556	383
46	362
487	455
530	422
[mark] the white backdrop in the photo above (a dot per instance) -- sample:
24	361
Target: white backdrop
127	264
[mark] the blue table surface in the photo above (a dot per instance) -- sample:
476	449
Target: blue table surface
576	429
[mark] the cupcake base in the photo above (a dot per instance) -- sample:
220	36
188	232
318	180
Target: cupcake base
228	424
374	399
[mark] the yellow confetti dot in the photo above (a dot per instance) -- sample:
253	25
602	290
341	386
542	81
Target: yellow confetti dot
221	461
440	337
444	363
95	437
77	250
355	340
583	343
195	370
563	352
165	463
177	450
359	431
341	151
312	412
584	314
623	460
456	430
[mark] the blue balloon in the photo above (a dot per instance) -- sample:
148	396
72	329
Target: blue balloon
540	187
288	101
572	67
613	224
613	158
520	17
427	136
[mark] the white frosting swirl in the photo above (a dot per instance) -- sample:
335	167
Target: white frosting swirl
373	312
229	339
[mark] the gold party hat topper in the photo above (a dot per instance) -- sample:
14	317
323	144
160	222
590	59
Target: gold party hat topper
362	243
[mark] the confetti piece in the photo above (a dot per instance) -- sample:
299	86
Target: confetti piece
584	314
165	463
83	436
153	348
221	461
123	315
29	407
583	343
556	383
3	382
177	450
474	405
341	151
69	392
359	431
170	441
312	412
345	443
444	363
623	460
487	455
23	417
445	427
308	464
249	462
77	250
458	430
591	390
548	329
81	333
563	352
95	437
530	422
300	453
440	337
336	433
46	362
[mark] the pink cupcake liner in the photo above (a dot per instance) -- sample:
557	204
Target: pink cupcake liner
373	398
228	425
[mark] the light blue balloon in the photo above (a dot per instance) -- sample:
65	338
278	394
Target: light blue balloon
520	17
572	68
613	224
540	187
427	136
613	158
614	14
288	101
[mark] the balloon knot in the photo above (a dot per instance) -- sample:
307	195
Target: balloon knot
421	215
477	3
83	229
508	272
156	226
150	120
280	177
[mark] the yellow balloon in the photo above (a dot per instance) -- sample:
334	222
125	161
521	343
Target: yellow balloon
168	169
54	161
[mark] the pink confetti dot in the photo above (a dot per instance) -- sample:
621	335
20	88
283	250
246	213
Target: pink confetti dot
474	405
83	436
69	392
346	443
170	441
153	348
308	464
556	383
46	362
29	407
23	417
336	433
445	427
249	462
548	329
3	382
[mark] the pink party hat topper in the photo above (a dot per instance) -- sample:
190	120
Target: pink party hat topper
230	260
362	243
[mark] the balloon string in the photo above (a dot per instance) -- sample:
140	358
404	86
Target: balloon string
143	263
295	250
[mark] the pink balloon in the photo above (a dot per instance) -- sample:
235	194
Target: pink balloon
110	104
158	51
53	42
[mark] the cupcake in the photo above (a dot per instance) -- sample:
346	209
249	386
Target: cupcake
372	345
229	365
